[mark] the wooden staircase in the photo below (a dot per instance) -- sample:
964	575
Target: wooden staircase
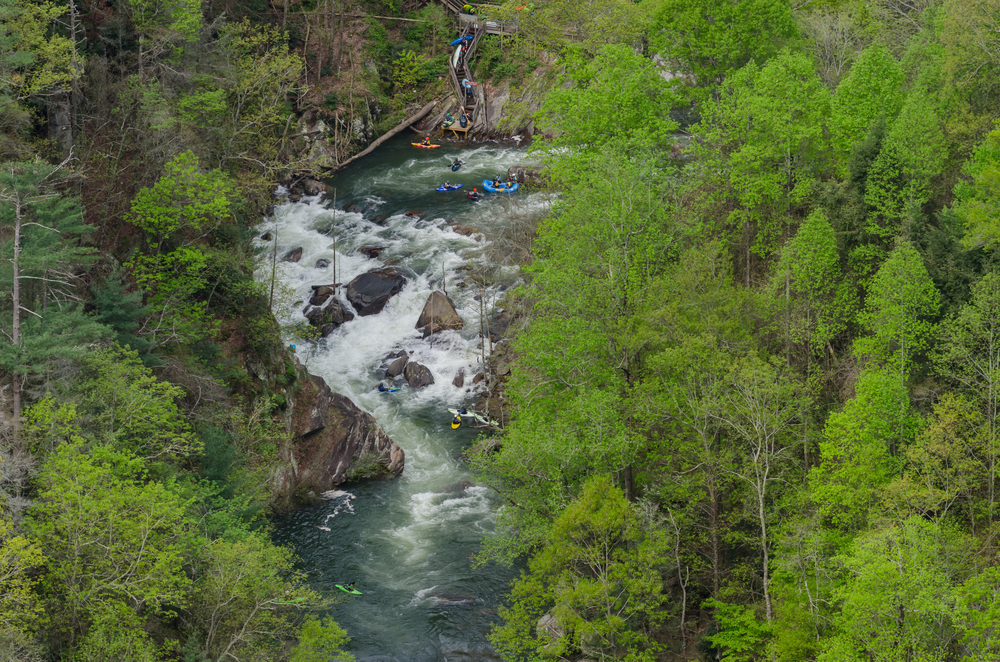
461	70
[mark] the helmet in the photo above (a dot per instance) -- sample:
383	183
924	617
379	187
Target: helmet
475	189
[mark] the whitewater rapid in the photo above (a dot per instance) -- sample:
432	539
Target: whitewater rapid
408	542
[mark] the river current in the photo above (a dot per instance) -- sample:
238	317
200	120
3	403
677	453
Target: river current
408	542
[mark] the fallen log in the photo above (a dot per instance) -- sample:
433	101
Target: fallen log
405	123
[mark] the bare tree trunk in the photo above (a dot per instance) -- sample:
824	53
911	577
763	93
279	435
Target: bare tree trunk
16	321
340	33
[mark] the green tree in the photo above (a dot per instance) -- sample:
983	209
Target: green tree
977	202
760	405
131	409
617	97
246	597
914	152
817	303
321	641
765	139
558	24
110	537
896	602
184	205
122	312
873	89
860	450
705	41
900	299
39	229
258	83
969	353
598	581
741	637
20	559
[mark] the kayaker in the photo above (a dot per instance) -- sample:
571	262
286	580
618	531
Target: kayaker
447	184
382	387
426	140
457	163
349	586
474	194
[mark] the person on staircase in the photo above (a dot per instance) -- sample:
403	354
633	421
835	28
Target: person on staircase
467	84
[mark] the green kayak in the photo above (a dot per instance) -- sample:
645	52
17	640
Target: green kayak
345	590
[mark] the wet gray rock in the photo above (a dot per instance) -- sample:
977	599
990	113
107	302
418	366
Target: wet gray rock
417	375
370	291
293	255
333	313
464	230
266	236
440	311
318	299
459	380
313	187
526	175
330	435
371	252
396	368
322	263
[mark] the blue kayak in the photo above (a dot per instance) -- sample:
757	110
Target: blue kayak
453	187
504	188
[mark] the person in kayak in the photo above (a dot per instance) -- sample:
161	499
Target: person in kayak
474	194
456	164
349	586
426	140
447	184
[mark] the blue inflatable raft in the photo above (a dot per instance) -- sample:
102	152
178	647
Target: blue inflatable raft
504	188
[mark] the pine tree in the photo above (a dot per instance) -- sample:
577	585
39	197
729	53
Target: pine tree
39	229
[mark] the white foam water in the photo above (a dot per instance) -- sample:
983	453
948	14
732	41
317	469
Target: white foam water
419	530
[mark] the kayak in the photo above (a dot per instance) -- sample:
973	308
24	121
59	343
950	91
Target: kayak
478	418
390	390
453	187
425	146
352	591
474	198
454	168
504	188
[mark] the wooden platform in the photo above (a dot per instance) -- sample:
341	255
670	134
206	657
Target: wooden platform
457	129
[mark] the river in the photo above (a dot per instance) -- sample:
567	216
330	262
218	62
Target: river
407	544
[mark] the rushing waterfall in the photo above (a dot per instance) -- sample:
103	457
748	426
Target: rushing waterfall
407	543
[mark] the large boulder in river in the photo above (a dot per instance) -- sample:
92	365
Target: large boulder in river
439	311
417	375
333	313
333	441
293	255
369	292
396	368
